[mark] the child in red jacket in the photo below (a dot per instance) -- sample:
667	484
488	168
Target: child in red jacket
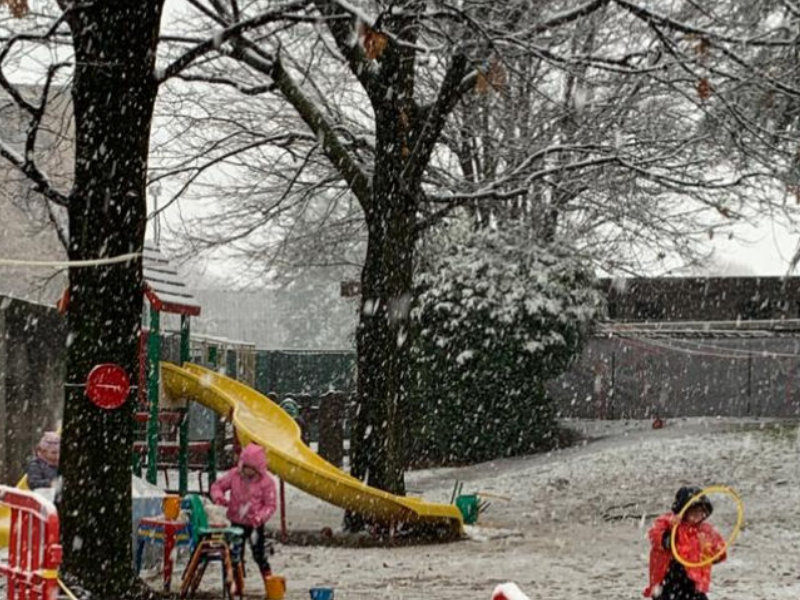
695	541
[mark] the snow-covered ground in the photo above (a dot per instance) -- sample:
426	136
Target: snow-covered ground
574	527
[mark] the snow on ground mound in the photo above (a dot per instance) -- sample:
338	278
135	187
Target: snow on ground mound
579	518
476	533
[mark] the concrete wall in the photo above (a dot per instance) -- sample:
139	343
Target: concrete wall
32	367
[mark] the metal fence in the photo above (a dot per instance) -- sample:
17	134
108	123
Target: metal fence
636	376
285	372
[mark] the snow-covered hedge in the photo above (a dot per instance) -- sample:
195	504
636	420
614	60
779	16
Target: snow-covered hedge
496	316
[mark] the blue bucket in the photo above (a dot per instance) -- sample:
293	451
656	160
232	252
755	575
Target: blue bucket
321	593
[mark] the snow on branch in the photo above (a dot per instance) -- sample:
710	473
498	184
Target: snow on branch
656	18
41	183
314	117
570	15
354	10
339	17
497	191
282	13
25	163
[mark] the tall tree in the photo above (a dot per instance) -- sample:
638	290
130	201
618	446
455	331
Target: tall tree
614	138
408	63
113	93
626	146
112	47
389	190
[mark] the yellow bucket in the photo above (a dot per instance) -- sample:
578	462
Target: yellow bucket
171	505
276	587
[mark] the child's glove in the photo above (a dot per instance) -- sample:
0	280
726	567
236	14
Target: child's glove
218	497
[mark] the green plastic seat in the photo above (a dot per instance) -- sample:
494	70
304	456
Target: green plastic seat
199	527
468	505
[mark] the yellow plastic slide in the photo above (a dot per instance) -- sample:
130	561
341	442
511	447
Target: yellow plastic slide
5	525
257	419
5	515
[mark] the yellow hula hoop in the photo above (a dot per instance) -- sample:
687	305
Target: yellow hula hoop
714	489
53	574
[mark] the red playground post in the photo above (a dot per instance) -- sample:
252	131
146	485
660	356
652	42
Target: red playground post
284	533
34	551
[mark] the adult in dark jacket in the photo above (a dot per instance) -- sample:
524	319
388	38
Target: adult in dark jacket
42	470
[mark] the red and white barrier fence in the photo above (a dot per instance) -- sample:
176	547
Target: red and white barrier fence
34	551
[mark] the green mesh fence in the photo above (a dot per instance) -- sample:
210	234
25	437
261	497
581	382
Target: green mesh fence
307	372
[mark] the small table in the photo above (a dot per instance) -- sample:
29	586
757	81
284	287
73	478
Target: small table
164	531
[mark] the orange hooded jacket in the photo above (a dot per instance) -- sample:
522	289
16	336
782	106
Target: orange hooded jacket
694	543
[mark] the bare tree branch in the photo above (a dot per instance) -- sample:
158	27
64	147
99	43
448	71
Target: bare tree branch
27	37
340	24
40	181
570	16
282	13
657	18
331	145
254	90
434	116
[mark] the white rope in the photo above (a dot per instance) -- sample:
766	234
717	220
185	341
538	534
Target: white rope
700	352
66	264
132	387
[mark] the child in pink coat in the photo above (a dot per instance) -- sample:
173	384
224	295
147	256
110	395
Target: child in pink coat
252	500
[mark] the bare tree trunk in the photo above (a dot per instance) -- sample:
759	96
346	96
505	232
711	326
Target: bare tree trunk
113	96
378	453
386	281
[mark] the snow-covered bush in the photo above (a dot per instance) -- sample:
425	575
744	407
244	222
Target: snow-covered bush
495	317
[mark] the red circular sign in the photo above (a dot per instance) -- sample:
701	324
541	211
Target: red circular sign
108	385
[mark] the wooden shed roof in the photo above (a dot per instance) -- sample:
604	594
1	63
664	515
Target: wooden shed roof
164	288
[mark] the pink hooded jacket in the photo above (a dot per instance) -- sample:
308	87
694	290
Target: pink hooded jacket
252	502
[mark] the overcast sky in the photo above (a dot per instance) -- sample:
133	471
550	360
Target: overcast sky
766	250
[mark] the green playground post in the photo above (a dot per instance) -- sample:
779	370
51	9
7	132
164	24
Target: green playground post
183	429
153	359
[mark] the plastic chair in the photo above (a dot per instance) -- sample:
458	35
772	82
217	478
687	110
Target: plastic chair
208	543
213	550
192	504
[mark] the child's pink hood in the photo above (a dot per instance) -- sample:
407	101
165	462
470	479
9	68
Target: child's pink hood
253	456
249	503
